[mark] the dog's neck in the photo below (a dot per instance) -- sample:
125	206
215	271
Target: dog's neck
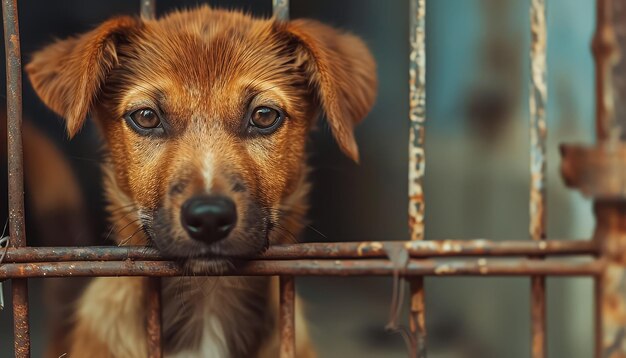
220	316
215	316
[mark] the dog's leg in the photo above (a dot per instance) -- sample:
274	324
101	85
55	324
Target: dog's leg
111	319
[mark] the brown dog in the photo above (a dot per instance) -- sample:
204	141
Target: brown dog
205	115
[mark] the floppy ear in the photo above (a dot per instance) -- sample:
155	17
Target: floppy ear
342	71
69	74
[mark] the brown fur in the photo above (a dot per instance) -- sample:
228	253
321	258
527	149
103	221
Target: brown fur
204	70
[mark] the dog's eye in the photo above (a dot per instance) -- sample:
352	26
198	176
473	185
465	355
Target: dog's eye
145	118
266	119
145	121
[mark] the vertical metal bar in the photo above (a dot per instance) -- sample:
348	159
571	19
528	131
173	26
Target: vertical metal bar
617	126
281	9
609	43
287	317
15	166
538	315
417	317
538	132
417	162
148	9
598	289
604	52
154	317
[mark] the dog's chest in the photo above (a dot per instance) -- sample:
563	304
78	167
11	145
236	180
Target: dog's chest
213	342
214	317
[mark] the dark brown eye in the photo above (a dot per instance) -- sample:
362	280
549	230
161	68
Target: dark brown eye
145	118
265	118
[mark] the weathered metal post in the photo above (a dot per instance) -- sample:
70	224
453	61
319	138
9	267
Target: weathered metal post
538	97
417	163
599	172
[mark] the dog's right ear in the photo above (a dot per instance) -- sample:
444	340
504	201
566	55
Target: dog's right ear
68	75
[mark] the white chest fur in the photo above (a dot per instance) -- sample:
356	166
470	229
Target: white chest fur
213	342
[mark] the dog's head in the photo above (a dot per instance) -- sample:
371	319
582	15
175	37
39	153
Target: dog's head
205	114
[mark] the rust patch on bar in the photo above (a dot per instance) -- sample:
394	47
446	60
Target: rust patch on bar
20	318
153	305
358	267
15	170
417	116
417	321
417	160
342	250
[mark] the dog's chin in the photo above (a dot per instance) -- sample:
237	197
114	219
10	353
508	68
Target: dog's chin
207	266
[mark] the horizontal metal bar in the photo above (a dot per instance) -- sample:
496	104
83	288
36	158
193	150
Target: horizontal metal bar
362	267
367	249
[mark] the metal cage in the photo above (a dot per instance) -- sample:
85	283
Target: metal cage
598	171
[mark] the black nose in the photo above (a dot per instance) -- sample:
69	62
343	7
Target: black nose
208	218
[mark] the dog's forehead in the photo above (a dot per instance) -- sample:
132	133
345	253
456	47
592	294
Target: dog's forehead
207	52
213	45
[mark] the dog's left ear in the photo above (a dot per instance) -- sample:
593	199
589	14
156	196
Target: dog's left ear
69	74
342	72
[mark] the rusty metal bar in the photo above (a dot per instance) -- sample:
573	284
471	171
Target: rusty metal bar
148	9
417	162
598	290
417	116
15	169
538	316
287	317
281	9
538	132
343	250
610	292
604	51
153	304
618	72
362	267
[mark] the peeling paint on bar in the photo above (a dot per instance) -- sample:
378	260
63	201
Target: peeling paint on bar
417	116
538	128
281	9
417	163
538	132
